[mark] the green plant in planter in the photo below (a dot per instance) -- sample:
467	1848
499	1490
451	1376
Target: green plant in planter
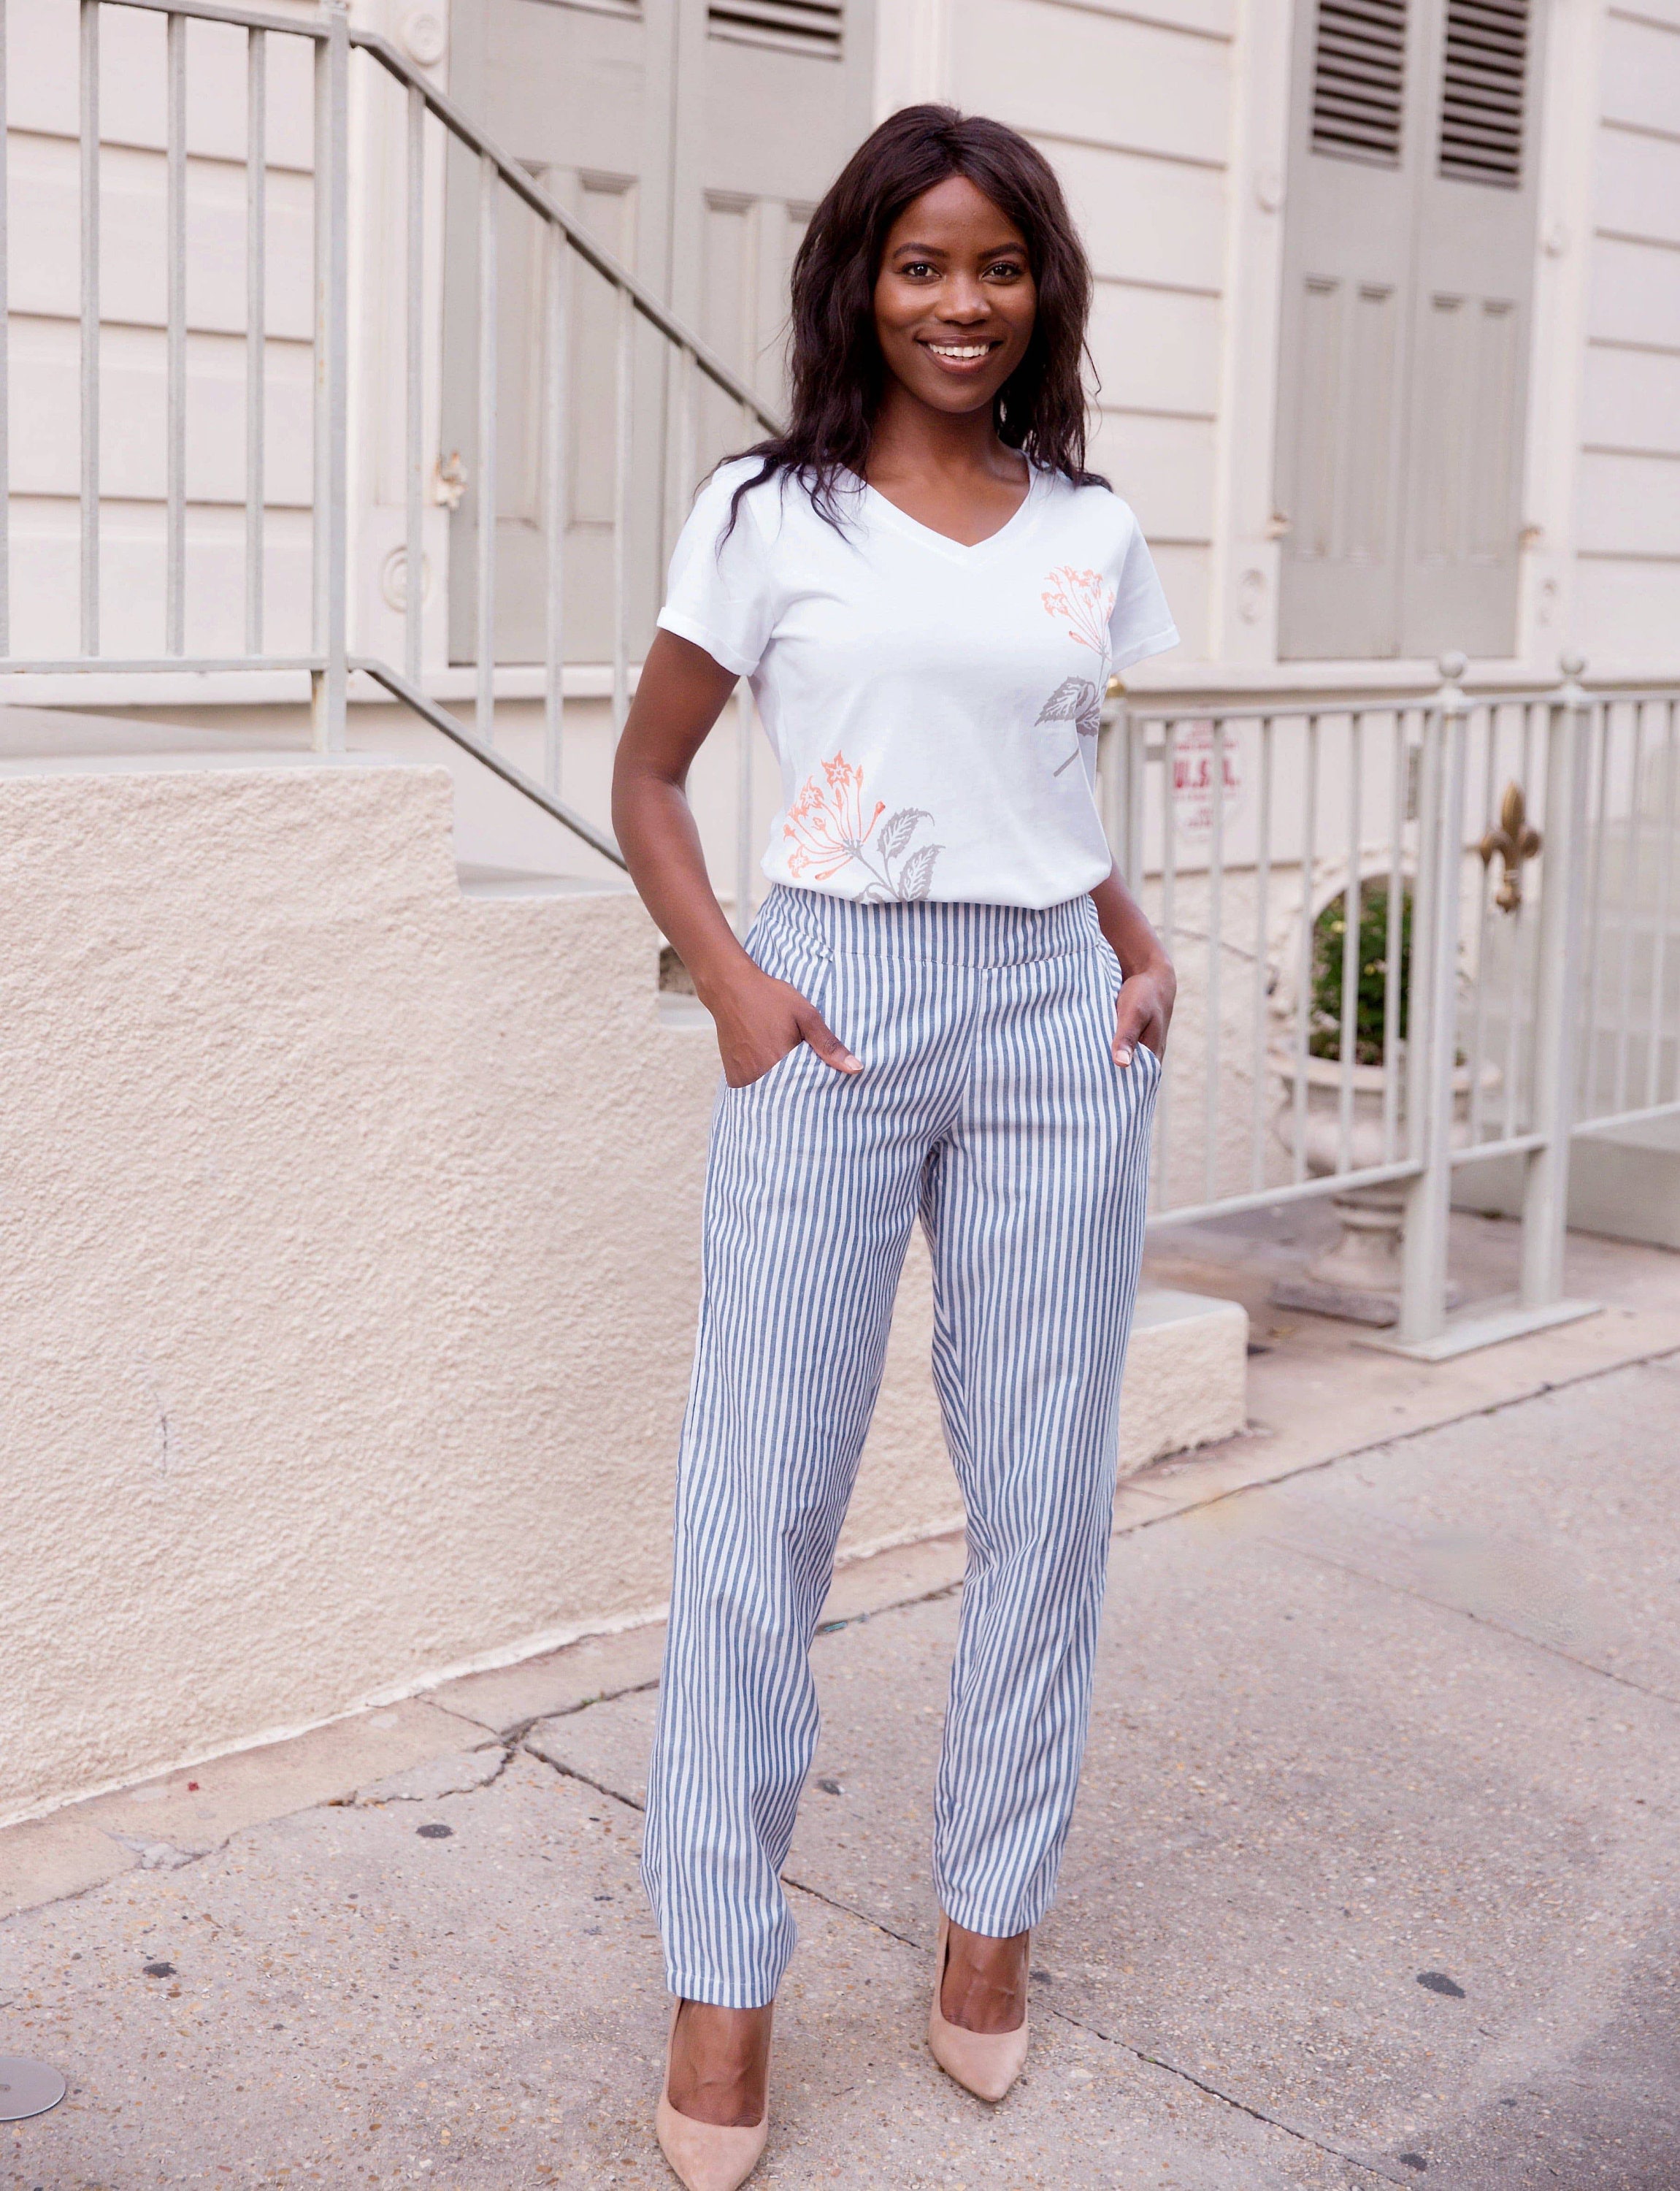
1329	941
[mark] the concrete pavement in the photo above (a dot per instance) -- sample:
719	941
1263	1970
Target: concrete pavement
1376	1876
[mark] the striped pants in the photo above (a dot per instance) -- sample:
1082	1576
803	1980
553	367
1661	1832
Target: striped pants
988	1105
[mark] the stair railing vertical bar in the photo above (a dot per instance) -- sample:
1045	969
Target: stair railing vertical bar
1485	933
1429	1202
414	384
623	423
1521	925
1353	953
1165	1107
1262	902
1393	935
487	480
1303	967
5	375
1215	944
1586	1102
1630	906
88	126
556	497
1658	1001
1663	910
1546	1168
175	461
255	326
329	683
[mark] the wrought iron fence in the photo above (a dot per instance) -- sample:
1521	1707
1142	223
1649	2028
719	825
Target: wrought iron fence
1416	931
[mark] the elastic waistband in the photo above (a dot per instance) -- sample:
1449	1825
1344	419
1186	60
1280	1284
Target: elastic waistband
952	931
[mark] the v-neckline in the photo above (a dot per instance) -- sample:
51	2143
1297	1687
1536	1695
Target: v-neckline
960	551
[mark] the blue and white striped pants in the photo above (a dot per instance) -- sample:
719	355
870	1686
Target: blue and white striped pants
989	1104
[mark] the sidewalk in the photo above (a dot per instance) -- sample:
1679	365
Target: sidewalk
1375	1876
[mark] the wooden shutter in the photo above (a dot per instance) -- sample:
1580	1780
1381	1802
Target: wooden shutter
1483	80
1473	280
801	26
1407	271
1346	268
1358	79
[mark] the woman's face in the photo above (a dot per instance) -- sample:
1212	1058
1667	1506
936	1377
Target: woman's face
954	299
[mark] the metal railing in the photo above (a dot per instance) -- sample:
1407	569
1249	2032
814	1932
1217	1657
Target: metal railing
1388	973
500	179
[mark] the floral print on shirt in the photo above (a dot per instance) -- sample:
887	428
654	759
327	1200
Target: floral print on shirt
826	833
1083	601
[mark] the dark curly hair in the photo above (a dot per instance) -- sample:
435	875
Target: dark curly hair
835	362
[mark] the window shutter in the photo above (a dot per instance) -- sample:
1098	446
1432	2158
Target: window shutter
1482	90
1359	80
799	26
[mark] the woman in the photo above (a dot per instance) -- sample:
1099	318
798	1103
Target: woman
930	1018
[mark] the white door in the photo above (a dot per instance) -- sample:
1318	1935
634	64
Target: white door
693	139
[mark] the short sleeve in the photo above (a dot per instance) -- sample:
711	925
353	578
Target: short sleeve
1141	624
720	595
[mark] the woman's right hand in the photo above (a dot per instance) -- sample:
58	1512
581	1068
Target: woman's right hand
760	1021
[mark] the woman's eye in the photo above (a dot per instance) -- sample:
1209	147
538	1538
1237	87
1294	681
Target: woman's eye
916	266
1007	270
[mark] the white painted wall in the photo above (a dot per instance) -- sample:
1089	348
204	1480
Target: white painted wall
349	1268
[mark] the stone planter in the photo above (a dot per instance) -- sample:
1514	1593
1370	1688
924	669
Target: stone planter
1358	1277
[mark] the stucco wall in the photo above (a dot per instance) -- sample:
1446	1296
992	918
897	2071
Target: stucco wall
348	1264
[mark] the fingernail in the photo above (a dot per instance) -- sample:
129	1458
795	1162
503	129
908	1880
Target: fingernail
853	1064
1122	1055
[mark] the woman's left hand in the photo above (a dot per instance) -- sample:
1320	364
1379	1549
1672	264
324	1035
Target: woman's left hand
1144	1011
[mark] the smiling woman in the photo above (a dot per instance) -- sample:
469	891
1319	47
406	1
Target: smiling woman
928	592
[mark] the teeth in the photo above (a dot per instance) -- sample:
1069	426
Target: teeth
959	349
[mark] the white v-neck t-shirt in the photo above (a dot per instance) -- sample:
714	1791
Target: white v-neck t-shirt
933	707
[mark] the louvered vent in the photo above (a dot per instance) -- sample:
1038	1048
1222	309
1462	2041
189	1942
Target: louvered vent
1358	79
1482	91
800	26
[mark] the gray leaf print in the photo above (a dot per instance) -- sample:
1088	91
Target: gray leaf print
1073	697
916	877
898	829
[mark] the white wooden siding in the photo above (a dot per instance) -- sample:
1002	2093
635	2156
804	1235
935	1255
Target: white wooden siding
45	302
1132	107
1627	518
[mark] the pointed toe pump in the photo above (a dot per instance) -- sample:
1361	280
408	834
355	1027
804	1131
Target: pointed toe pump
984	2062
705	2156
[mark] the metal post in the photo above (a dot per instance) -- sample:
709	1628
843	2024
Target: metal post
1434	1017
89	128
175	403
1545	1183
5	461
255	326
556	499
414	389
489	482
331	387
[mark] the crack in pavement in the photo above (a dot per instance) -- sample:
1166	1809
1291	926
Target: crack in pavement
1109	2038
1466	1612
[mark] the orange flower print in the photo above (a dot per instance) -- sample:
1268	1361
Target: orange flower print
1083	602
827	830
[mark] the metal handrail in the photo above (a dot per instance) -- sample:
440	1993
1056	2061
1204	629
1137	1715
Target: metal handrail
327	660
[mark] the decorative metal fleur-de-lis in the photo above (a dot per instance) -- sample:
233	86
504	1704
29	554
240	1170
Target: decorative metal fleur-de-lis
1516	840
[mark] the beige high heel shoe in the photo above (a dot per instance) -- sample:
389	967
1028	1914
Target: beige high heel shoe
705	2156
984	2062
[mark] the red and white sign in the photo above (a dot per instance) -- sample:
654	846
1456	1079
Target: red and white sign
1193	795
